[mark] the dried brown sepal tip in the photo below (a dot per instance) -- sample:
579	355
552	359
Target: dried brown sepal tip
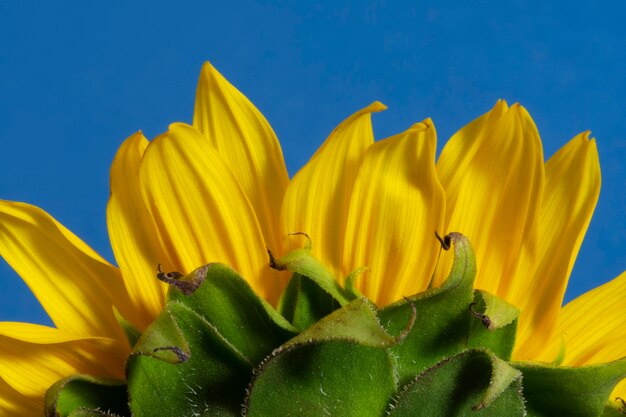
478	407
485	320
445	241
189	284
281	267
273	263
181	355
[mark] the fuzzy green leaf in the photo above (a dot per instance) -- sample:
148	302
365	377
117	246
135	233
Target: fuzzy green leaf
226	301
163	340
356	322
86	394
338	367
497	329
302	261
132	334
614	409
443	317
213	330
573	392
84	412
334	378
211	381
304	302
472	383
500	313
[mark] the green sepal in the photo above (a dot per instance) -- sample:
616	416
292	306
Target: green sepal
567	391
339	366
211	380
83	412
443	317
474	382
131	332
227	301
333	378
303	262
356	322
163	339
613	409
85	393
494	326
499	312
218	330
304	302
351	279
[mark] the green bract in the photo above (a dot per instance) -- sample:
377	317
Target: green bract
217	349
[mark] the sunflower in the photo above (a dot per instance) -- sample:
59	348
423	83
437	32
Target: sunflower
218	191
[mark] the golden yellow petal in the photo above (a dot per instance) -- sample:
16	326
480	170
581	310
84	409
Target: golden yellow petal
593	326
132	233
395	208
12	403
571	193
201	213
75	286
493	174
33	357
619	391
247	144
317	199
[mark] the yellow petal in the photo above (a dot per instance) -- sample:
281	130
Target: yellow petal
593	326
493	173
12	403
619	391
132	233
75	286
247	144
201	213
33	357
318	197
571	192
395	208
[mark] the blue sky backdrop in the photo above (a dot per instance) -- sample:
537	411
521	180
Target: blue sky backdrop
77	78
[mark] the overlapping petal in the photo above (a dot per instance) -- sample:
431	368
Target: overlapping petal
77	288
592	325
318	197
34	357
201	213
132	232
571	193
396	206
493	174
12	403
247	144
592	328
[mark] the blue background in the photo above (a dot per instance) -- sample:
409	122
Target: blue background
76	79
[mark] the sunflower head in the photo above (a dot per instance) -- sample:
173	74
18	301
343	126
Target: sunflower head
378	281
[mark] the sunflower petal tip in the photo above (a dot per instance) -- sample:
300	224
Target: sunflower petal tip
209	76
518	109
178	126
207	67
422	126
138	135
377	106
500	107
